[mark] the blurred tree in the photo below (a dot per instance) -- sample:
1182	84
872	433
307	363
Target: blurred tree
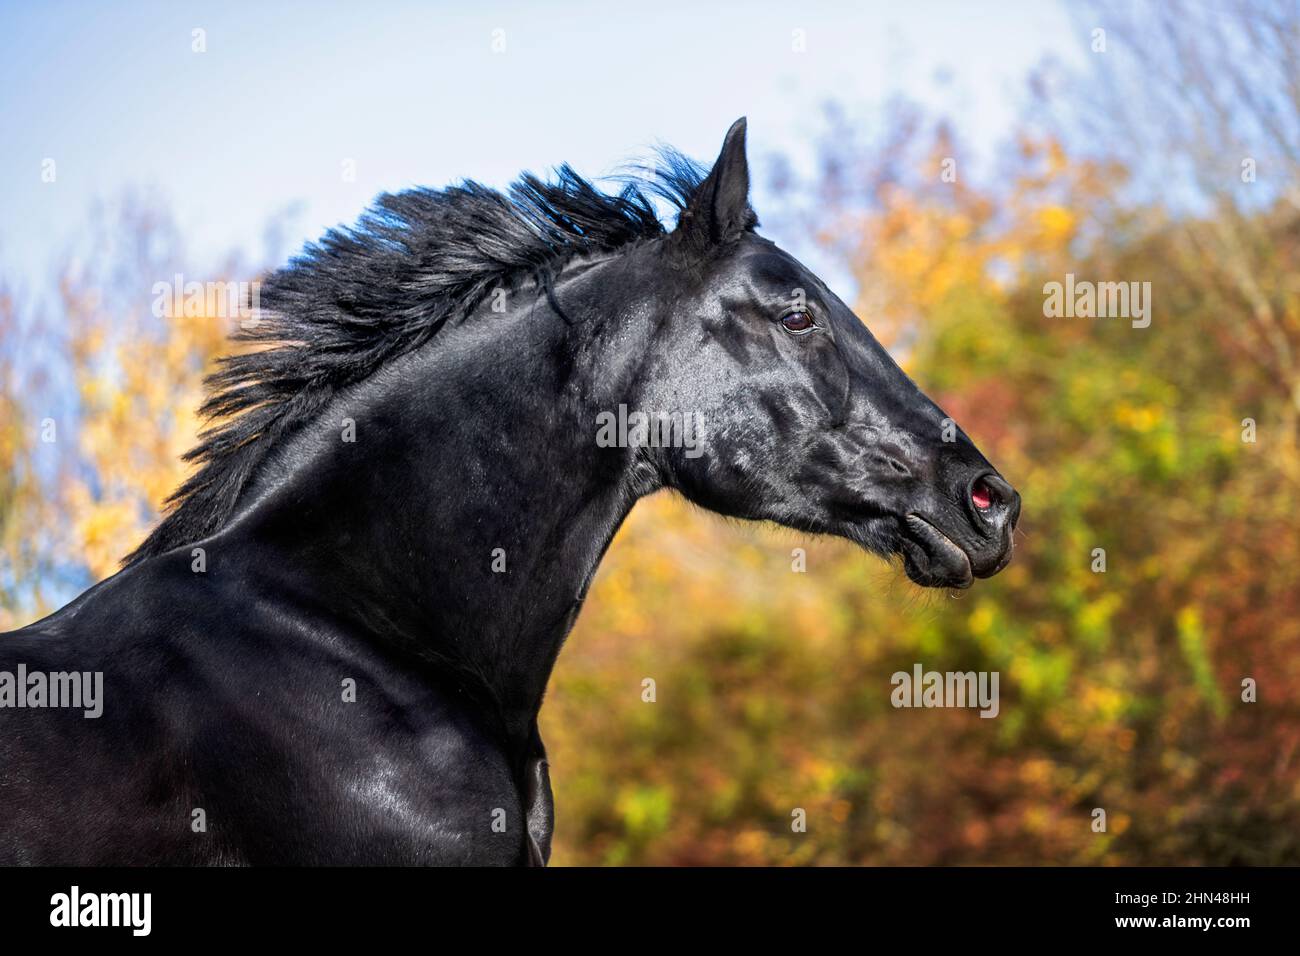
767	735
15	497
1202	103
119	399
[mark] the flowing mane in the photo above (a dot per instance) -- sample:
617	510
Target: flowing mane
365	294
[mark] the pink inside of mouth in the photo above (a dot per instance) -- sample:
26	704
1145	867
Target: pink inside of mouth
981	497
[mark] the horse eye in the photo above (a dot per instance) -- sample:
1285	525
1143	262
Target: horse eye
798	323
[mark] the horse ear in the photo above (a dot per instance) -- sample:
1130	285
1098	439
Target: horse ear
719	210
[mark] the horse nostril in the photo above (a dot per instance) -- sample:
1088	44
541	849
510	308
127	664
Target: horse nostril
995	500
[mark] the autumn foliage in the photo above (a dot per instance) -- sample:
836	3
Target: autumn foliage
1172	451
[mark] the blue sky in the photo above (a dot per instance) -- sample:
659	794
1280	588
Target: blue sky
414	94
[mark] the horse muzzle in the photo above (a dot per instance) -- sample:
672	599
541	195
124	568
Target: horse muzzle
978	541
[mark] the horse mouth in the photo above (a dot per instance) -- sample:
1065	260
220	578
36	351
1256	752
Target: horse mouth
930	557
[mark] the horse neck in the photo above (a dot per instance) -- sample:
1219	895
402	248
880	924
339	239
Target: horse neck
470	509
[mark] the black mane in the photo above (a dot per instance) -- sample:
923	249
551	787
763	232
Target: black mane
362	295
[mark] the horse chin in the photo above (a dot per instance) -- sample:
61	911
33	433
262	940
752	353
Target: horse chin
930	557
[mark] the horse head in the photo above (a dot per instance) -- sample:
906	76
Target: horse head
804	418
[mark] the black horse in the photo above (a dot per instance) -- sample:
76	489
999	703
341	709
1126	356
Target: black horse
335	646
